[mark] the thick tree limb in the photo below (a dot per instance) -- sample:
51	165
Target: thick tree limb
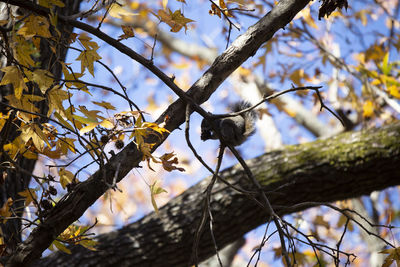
345	166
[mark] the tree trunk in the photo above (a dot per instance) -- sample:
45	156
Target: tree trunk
16	181
294	178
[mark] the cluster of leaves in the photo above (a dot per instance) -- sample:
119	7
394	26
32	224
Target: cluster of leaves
67	127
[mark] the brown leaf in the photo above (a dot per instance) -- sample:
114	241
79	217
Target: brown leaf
328	6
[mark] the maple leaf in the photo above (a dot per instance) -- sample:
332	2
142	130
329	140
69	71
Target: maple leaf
63	121
175	20
33	132
71	77
55	97
23	50
13	75
87	58
139	132
29	195
92	115
66	144
107	124
35	26
66	177
87	42
43	78
90	126
25	103
17	146
393	255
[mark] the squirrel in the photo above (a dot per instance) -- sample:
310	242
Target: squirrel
233	130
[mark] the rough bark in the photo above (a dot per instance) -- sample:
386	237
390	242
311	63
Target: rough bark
345	166
16	181
86	193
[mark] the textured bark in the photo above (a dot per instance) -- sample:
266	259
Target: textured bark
17	181
345	166
72	207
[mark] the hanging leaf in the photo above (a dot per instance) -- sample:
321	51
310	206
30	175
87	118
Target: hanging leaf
155	190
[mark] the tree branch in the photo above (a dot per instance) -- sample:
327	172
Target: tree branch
345	166
86	193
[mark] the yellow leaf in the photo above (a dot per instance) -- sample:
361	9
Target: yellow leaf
104	104
360	58
35	26
244	71
88	128
88	243
29	195
394	91
139	132
13	75
60	246
84	120
178	18
368	109
71	77
24	50
43	78
55	98
117	11
12	148
3	120
155	190
66	177
164	3
222	4
66	144
308	18
107	124
175	20
40	134
63	122
87	58
91	114
28	132
155	127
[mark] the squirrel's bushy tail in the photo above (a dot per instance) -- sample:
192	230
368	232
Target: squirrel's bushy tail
249	117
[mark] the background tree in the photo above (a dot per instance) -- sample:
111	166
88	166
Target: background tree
41	116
